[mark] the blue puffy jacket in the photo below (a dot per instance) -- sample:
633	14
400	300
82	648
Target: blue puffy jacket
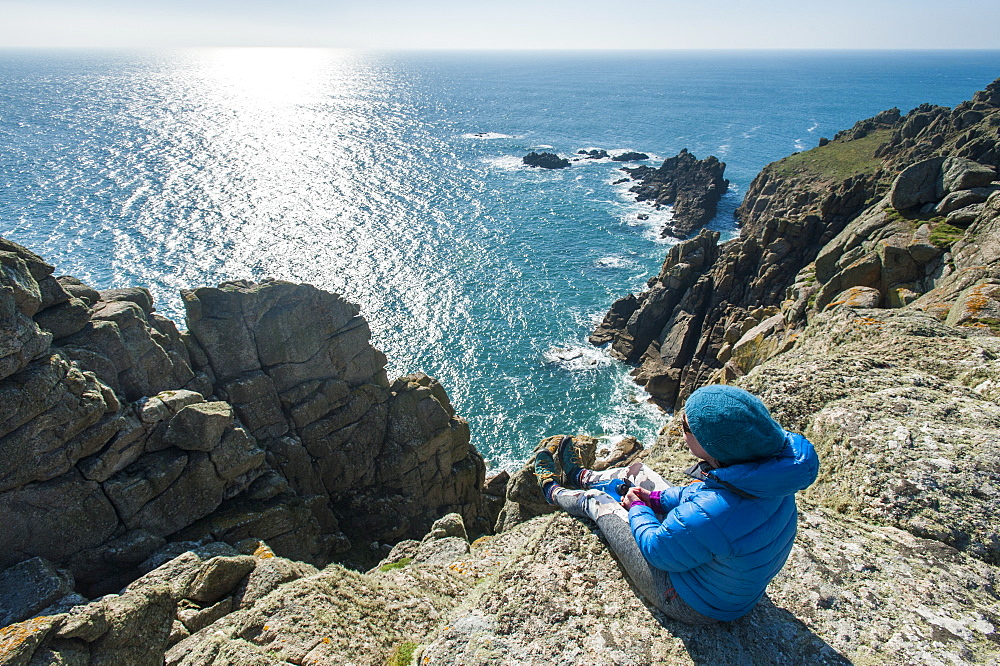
720	546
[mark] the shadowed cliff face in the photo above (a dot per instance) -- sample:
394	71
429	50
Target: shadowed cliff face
271	418
897	205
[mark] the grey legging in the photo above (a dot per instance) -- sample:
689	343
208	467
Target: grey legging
612	520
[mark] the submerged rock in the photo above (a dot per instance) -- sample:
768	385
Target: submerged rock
630	156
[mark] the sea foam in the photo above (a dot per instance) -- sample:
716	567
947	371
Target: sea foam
487	135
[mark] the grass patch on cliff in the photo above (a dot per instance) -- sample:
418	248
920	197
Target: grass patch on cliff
396	565
985	322
837	160
402	655
945	235
942	234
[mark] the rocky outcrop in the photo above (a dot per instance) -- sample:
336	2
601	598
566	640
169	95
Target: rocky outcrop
295	363
272	418
873	217
903	410
692	186
896	560
184	590
929	181
630	156
633	322
601	154
545	160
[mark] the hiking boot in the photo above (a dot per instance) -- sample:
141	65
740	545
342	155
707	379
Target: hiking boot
569	459
551	444
545	470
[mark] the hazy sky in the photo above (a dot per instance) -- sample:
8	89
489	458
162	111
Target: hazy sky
517	24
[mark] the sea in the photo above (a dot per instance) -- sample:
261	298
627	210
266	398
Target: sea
395	179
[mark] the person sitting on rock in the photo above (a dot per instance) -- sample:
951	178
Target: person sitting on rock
706	551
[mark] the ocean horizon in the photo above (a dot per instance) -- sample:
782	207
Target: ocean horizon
395	179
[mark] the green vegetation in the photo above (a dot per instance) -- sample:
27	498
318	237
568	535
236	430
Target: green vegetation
402	655
914	218
837	160
396	565
807	275
945	235
988	322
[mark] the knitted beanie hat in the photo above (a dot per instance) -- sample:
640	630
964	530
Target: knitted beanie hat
733	425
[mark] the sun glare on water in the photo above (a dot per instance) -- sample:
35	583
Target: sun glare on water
268	167
270	78
355	173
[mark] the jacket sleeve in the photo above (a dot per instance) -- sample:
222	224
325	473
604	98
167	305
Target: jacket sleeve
670	497
687	537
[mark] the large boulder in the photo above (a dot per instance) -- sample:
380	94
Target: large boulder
29	587
958	173
917	184
931	180
47	413
54	519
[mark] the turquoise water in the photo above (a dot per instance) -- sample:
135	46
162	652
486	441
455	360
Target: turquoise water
395	180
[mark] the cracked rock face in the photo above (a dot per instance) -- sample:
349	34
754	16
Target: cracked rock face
271	418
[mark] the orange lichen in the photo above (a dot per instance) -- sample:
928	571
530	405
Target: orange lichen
867	321
939	310
976	302
14	636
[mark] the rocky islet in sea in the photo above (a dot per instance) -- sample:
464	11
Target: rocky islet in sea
545	160
691	186
860	302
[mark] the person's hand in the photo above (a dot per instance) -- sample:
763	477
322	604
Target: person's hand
635	494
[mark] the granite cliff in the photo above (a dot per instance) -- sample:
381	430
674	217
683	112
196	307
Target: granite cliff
270	418
895	561
861	302
897	211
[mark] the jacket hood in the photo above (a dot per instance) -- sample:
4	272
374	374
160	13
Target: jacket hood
793	468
